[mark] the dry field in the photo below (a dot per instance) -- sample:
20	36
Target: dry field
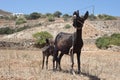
26	65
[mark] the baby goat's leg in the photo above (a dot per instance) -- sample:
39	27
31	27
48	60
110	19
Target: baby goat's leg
43	60
47	62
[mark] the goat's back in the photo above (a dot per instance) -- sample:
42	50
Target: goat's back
63	42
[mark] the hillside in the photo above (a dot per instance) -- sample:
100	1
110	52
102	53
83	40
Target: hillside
91	30
5	13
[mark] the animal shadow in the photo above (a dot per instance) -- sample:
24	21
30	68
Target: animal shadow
91	77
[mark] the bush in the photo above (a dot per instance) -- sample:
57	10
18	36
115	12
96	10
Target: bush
51	18
35	15
48	14
115	39
20	21
106	17
92	17
41	38
67	26
27	17
6	30
66	17
57	14
105	42
22	28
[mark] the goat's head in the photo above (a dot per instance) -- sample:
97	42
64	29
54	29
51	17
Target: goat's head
50	43
79	21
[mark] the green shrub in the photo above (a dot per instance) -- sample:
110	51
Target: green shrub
115	35
27	16
57	14
51	18
5	17
67	26
105	42
6	30
22	28
115	39
41	38
20	21
66	17
92	17
35	15
48	14
106	17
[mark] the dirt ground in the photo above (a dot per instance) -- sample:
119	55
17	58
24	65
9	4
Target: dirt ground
26	65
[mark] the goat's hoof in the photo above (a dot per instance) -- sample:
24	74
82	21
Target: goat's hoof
72	72
79	72
60	69
54	69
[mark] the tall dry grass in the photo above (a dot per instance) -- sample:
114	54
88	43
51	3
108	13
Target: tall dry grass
26	65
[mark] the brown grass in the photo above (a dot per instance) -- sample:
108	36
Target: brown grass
26	65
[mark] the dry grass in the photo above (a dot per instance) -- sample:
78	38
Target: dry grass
26	65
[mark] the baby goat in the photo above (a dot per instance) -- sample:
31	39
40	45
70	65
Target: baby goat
47	51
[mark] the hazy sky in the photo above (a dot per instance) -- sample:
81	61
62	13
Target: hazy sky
110	7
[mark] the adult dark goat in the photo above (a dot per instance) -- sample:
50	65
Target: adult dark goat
47	51
65	41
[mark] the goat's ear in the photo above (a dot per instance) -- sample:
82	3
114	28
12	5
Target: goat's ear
47	41
86	15
77	13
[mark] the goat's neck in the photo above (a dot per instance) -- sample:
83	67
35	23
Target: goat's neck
78	34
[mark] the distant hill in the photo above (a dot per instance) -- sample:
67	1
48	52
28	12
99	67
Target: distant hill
5	13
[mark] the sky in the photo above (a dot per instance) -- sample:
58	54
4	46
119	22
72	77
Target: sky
110	7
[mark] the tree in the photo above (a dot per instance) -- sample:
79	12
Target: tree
57	14
48	14
66	15
35	15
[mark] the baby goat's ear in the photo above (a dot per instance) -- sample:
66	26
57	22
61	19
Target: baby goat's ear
47	41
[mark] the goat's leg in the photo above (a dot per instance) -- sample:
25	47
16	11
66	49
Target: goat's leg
72	60
78	61
47	62
55	59
59	61
43	60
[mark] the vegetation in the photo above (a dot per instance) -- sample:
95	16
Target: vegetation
51	18
14	17
57	14
6	30
66	17
48	14
41	38
101	17
92	17
106	17
20	21
105	41
33	15
67	26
